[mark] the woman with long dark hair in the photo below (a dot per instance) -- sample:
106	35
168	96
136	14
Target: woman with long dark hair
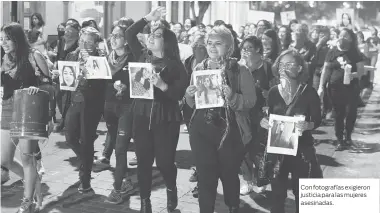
346	21
285	37
271	45
344	95
293	97
262	26
215	138
373	49
252	57
156	122
17	72
37	23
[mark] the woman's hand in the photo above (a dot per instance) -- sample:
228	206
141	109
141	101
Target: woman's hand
302	126
55	74
320	92
33	90
156	14
227	91
191	90
264	123
157	81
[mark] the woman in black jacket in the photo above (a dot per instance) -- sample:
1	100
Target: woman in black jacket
156	122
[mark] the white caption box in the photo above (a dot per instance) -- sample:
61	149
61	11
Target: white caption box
339	195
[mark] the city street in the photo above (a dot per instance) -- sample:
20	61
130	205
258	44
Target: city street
61	174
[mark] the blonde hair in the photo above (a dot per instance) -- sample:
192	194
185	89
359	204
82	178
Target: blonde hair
225	34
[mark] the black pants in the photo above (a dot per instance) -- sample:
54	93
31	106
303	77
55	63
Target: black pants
119	125
81	122
159	142
345	99
326	101
213	163
299	167
63	100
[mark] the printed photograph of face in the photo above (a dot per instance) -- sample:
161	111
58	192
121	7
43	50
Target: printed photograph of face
141	87
69	76
283	134
209	92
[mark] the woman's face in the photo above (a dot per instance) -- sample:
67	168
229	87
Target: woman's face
246	30
156	41
177	29
288	68
292	26
282	33
35	20
345	19
70	33
207	83
216	47
87	42
333	35
252	29
200	51
6	43
267	42
117	39
68	76
187	24
249	51
315	35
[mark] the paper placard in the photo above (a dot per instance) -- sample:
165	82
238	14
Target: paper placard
139	80
287	16
68	75
255	16
209	89
97	68
283	134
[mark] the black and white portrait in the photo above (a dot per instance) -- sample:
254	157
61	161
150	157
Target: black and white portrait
209	89
139	78
98	68
68	75
283	135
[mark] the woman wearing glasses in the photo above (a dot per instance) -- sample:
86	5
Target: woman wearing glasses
156	122
293	96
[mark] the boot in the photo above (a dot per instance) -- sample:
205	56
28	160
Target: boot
146	206
234	210
27	206
172	199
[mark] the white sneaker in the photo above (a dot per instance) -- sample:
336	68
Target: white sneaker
246	189
185	129
40	168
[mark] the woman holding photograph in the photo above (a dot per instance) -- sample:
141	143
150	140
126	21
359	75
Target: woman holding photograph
215	138
156	122
293	97
117	114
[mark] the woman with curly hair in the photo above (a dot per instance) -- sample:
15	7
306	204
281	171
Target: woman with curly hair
215	138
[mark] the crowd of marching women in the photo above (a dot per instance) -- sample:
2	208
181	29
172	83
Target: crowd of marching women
317	72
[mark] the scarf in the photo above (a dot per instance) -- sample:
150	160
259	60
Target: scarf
118	63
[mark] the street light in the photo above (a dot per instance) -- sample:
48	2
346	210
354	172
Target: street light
346	5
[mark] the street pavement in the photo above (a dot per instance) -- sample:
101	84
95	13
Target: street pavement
61	172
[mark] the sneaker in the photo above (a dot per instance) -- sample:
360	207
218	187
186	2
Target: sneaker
133	161
185	129
40	168
194	176
127	186
4	175
27	206
82	194
101	164
246	189
114	198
